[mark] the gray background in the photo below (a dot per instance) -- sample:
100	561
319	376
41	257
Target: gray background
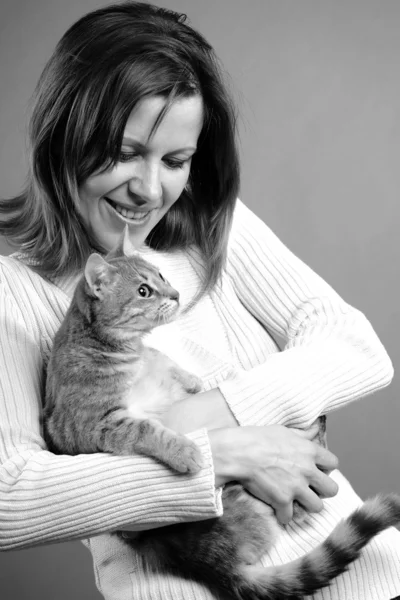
317	83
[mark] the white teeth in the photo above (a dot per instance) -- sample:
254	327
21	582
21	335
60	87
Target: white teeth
130	214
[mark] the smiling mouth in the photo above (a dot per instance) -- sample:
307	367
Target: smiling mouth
131	216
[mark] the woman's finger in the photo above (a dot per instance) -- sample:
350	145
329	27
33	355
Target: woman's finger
325	459
282	504
308	434
323	485
284	514
309	500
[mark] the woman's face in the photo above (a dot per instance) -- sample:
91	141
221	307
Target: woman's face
149	176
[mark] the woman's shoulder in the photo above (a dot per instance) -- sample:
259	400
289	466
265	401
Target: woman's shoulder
16	270
248	227
15	262
245	218
34	298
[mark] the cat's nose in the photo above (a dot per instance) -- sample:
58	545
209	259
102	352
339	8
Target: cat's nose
174	295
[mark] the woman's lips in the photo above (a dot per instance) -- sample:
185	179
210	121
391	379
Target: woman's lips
132	216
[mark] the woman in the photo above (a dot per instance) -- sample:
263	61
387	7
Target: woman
132	125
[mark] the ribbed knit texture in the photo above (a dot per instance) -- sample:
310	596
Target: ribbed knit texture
331	357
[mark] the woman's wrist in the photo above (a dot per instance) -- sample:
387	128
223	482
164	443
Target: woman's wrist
226	468
219	414
207	410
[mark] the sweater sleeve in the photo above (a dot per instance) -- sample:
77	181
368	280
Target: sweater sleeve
47	498
330	353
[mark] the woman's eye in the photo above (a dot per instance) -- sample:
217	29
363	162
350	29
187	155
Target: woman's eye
145	291
175	164
127	156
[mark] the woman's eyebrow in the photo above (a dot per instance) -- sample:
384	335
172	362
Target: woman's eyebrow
185	149
142	147
135	143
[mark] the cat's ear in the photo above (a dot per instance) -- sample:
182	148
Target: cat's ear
99	275
124	246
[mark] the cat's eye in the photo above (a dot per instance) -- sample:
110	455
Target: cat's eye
145	291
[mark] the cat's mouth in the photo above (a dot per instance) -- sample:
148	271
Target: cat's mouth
167	312
129	216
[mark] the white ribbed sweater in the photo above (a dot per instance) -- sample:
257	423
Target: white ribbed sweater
331	356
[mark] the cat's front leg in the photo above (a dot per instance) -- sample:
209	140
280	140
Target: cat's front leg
124	434
173	449
189	381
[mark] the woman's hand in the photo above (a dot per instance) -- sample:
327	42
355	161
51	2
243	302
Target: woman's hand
276	464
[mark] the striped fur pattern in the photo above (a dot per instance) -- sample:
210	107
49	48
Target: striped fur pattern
106	391
222	552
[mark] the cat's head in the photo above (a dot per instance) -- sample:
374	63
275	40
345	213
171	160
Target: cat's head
127	292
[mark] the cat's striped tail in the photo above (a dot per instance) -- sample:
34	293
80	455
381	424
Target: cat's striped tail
316	569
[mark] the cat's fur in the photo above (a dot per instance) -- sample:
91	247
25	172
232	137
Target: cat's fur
106	391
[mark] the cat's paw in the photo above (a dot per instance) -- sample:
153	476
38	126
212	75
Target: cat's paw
190	383
188	458
193	384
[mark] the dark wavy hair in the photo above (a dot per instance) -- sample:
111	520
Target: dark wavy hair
102	67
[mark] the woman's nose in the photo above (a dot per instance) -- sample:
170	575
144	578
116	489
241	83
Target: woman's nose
146	184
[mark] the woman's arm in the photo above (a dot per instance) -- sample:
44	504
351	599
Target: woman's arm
331	354
276	464
46	498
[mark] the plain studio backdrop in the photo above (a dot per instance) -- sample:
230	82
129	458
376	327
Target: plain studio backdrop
317	84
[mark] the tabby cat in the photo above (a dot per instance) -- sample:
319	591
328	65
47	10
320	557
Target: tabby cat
106	391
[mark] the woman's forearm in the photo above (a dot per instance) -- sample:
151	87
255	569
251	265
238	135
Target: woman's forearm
205	409
276	464
46	498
